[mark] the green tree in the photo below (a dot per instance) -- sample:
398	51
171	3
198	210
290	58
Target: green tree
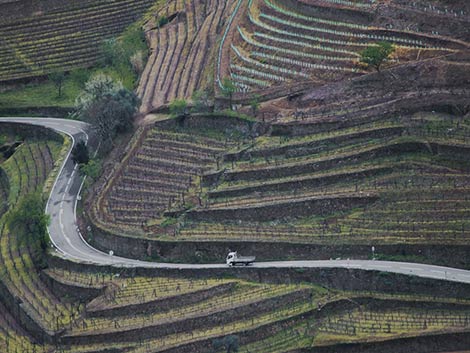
96	88
58	79
92	169
126	55
113	113
107	106
29	222
126	104
375	55
113	53
178	107
80	153
80	77
228	89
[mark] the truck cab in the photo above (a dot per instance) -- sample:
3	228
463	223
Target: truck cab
234	259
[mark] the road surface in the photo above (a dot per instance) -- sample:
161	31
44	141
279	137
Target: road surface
68	241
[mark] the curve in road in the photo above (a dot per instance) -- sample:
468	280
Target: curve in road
69	243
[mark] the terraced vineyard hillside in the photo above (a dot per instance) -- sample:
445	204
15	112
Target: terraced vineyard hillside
387	170
125	312
316	157
266	44
183	50
63	38
31	305
277	42
163	173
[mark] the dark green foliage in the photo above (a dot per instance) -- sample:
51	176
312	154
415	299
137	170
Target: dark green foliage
92	169
375	55
125	106
113	113
228	343
127	54
80	153
107	106
161	21
80	77
178	107
228	87
58	79
29	222
133	40
113	53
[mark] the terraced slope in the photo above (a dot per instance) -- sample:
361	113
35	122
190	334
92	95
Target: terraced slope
358	162
407	169
162	173
63	39
26	296
276	42
161	313
182	55
79	308
13	337
122	312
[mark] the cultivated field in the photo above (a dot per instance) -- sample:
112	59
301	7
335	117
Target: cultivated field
275	42
323	158
182	50
63	39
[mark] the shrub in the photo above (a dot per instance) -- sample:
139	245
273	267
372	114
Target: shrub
178	107
80	153
375	55
29	222
127	54
138	62
254	104
95	89
92	169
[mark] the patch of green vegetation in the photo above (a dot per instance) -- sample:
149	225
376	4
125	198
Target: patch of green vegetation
40	94
29	222
169	222
123	59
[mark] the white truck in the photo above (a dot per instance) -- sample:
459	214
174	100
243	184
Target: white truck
234	259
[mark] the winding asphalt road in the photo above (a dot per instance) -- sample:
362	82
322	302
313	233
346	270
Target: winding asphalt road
69	243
